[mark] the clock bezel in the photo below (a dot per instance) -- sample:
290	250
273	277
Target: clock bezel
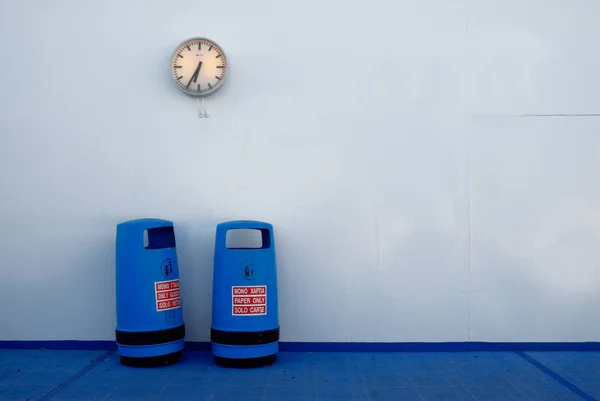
216	88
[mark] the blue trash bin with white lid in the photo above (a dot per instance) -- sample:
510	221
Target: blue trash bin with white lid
150	330
245	320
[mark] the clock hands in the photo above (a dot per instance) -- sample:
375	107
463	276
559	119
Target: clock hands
194	76
197	70
190	81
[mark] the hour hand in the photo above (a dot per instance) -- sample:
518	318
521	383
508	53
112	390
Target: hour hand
197	71
194	76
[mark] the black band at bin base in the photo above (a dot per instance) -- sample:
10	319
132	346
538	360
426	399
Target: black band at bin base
152	361
150	337
244	337
246	362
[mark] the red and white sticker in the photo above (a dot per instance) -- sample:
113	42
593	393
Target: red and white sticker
249	300
167	295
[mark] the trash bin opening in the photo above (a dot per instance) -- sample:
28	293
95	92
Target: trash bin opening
159	238
247	238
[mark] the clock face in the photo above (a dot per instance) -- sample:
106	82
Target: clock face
198	66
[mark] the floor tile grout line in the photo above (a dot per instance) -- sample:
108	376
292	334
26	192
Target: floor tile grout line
364	385
58	388
161	392
416	388
555	376
465	388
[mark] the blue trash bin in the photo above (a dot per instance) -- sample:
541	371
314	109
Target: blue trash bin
245	322
150	330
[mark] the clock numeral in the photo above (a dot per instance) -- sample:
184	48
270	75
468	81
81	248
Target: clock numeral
219	78
179	55
198	87
220	55
199	46
210	48
178	78
177	66
220	66
209	86
188	47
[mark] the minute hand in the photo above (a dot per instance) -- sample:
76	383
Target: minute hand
194	76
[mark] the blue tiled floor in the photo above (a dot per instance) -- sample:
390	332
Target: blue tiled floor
98	375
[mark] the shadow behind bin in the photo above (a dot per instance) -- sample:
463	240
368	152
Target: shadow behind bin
150	329
245	322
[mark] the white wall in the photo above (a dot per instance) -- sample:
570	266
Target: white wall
381	139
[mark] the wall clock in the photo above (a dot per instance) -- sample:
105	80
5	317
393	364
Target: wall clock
199	67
